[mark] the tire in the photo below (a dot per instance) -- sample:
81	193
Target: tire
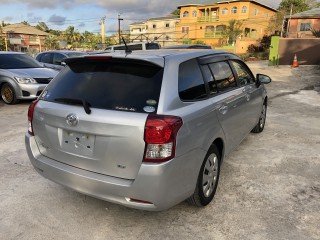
262	119
208	179
8	95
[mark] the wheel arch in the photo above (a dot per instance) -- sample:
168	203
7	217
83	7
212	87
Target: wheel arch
219	143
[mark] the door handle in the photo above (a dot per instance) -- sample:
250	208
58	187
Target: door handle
223	109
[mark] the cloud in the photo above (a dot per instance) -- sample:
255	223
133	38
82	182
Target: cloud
56	20
81	25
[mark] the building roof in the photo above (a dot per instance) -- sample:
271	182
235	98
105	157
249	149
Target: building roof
313	13
226	1
171	17
252	1
23	29
165	18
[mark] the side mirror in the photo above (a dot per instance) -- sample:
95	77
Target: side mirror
262	79
63	64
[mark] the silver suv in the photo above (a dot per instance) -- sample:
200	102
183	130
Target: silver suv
146	130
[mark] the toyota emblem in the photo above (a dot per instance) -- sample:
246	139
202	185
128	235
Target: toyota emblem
72	119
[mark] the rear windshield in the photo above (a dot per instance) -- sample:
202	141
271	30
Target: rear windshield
18	61
123	86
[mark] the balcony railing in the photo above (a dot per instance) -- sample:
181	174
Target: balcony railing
208	19
213	35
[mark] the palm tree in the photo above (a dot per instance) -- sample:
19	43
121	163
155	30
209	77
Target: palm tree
233	31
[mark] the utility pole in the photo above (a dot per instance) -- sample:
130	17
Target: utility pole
119	19
103	40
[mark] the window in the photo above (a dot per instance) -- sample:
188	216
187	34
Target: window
210	29
244	9
221	28
154	26
167	38
223	76
244	75
191	85
46	58
212	84
194	13
15	61
58	58
255	12
186	14
305	27
234	10
167	25
224	11
185	30
116	85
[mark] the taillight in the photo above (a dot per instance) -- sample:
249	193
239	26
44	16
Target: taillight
160	137
30	116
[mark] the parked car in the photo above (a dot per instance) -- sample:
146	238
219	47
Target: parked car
188	46
134	46
146	130
22	77
55	59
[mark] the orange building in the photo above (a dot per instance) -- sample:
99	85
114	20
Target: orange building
207	22
23	38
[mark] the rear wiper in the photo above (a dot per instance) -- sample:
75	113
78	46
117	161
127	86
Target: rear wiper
74	101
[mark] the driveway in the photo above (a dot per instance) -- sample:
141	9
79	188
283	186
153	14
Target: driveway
269	186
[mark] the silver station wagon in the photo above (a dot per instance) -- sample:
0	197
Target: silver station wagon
147	129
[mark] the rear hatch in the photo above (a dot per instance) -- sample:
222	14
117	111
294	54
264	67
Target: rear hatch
92	115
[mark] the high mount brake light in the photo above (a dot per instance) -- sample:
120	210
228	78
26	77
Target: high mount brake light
160	137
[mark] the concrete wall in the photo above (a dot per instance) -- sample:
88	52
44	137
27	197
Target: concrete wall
307	51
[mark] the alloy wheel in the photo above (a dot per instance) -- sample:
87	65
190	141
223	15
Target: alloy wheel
210	174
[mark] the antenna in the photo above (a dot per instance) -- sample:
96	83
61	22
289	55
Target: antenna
127	49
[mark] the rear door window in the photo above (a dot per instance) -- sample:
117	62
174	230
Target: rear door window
191	85
223	76
114	85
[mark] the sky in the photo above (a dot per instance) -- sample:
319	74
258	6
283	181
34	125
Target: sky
86	15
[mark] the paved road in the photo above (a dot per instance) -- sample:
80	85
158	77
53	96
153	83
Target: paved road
269	186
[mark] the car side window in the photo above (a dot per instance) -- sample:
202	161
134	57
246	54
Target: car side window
58	58
223	76
244	75
190	82
46	58
211	82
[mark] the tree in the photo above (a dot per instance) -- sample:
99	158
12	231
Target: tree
315	32
43	27
175	12
233	31
51	42
73	36
297	6
26	23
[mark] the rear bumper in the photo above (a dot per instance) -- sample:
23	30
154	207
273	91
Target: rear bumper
164	185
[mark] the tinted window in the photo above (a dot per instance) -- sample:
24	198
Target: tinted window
223	75
152	46
212	84
243	73
17	61
57	58
125	86
46	58
191	85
